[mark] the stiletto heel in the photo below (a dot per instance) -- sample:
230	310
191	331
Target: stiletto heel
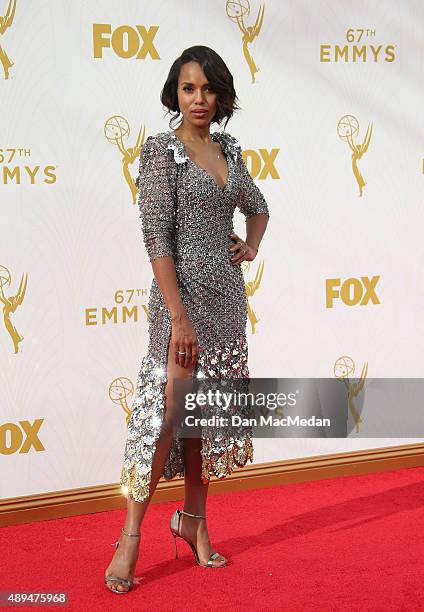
124	581
175	530
175	542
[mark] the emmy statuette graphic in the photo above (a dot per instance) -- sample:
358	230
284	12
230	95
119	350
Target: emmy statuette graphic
237	10
116	129
10	303
251	288
6	22
120	389
347	128
342	368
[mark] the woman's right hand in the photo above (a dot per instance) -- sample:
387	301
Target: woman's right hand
184	339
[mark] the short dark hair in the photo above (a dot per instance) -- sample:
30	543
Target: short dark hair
216	72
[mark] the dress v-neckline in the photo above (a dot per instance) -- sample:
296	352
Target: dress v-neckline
221	189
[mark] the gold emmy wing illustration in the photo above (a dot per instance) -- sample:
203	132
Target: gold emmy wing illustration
6	22
120	390
347	129
251	288
237	11
11	302
343	367
116	129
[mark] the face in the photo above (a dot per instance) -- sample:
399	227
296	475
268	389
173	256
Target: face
196	98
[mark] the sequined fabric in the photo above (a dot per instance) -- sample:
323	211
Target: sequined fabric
186	214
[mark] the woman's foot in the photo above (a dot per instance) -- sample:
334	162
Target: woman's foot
195	531
124	561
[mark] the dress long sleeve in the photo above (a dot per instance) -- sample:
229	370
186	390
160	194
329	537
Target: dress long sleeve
251	200
156	200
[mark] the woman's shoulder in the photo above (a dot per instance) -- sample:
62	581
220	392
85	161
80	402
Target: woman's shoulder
227	137
155	152
228	142
165	143
155	141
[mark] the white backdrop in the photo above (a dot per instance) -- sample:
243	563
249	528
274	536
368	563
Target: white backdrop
74	231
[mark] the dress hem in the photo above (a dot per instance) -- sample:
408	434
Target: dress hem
240	453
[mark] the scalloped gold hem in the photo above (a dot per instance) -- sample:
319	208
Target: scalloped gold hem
241	451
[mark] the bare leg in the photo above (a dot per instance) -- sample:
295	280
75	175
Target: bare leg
195	494
125	557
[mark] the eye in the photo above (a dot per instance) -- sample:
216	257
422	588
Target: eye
189	88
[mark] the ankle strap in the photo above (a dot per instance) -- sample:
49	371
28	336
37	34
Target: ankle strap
193	515
132	535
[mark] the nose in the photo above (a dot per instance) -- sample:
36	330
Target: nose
199	96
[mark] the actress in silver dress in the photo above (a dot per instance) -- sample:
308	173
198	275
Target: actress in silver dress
190	182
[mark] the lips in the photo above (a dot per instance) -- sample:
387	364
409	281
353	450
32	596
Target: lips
200	113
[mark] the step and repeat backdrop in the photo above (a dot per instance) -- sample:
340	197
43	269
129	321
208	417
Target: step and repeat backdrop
331	129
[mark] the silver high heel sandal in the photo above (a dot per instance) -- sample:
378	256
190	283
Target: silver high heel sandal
124	581
175	530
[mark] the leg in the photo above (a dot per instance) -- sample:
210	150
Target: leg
195	494
125	557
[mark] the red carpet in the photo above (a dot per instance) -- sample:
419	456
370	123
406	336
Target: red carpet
344	544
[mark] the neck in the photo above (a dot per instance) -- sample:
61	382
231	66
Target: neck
194	133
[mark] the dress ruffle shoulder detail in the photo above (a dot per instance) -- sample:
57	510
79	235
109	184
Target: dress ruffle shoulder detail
180	155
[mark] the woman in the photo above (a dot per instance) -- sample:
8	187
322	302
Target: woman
190	182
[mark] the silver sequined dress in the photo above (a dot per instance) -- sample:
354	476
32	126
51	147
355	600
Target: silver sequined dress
186	214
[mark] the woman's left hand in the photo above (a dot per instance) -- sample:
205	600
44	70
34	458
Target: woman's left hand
243	251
